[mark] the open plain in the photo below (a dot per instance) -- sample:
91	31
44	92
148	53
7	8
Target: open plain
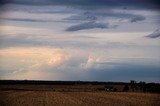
51	98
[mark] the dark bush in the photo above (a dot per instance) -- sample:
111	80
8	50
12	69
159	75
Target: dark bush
126	88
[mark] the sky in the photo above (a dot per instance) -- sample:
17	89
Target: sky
87	40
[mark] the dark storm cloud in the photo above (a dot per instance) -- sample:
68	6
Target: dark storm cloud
126	71
120	71
90	3
155	34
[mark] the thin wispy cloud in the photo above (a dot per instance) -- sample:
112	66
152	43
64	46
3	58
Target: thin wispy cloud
25	20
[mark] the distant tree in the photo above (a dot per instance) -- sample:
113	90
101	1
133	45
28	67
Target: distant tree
133	85
114	89
126	88
152	87
142	86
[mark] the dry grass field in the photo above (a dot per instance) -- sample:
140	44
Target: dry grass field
50	98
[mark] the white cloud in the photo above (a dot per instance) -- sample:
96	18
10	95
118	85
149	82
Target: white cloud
58	58
91	62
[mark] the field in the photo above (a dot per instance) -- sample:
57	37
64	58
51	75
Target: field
51	98
77	93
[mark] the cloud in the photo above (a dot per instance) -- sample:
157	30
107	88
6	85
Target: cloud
122	15
137	18
155	34
91	62
86	16
96	14
126	72
19	40
89	3
95	17
97	69
78	15
63	64
95	20
25	20
30	40
58	58
77	41
88	25
45	61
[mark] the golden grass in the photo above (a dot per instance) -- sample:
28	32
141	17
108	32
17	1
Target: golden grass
49	98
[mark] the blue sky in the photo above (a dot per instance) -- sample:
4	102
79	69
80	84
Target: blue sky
93	40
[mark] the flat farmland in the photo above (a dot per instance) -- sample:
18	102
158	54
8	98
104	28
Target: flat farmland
55	98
